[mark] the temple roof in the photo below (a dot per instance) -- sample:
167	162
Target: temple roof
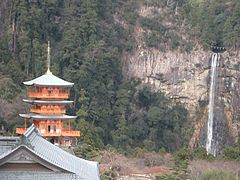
70	166
46	116
47	102
48	79
28	175
6	143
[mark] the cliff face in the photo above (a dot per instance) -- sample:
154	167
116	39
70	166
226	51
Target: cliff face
185	77
180	75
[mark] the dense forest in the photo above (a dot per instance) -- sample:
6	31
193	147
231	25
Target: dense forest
88	39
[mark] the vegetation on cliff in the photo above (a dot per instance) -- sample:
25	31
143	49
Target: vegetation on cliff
180	24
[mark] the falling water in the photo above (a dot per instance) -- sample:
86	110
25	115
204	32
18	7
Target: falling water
210	146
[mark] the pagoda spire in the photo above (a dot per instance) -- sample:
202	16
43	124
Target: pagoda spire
48	59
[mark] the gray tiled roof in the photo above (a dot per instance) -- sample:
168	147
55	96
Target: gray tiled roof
47	102
26	175
48	79
83	169
4	149
6	143
38	116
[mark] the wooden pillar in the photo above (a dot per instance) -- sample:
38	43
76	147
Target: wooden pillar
69	124
25	123
45	124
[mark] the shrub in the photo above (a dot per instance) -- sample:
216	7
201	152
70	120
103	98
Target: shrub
86	151
231	153
109	175
201	153
219	175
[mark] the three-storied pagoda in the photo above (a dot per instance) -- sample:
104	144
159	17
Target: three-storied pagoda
48	96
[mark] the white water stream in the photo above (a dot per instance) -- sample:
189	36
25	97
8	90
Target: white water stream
210	146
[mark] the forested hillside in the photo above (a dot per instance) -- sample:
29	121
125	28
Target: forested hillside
88	39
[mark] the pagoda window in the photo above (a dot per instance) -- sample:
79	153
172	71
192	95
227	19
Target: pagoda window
55	91
41	90
44	90
58	130
52	108
64	90
52	129
36	89
50	90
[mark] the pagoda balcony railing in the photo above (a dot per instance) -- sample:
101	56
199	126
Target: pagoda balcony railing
51	134
48	95
20	130
64	133
48	111
70	133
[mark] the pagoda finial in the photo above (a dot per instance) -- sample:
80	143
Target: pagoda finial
48	59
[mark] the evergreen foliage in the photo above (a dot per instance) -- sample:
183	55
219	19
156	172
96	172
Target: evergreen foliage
215	22
87	40
210	23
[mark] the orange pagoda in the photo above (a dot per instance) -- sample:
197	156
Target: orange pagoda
48	96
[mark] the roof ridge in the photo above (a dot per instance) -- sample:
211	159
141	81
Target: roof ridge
30	130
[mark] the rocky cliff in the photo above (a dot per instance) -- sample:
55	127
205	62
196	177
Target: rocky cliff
184	77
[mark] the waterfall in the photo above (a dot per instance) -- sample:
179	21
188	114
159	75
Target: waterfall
210	144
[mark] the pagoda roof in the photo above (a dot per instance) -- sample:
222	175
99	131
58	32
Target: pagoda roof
47	102
46	116
48	79
32	144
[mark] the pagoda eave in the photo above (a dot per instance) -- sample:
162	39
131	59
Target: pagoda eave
48	79
45	117
49	85
47	102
